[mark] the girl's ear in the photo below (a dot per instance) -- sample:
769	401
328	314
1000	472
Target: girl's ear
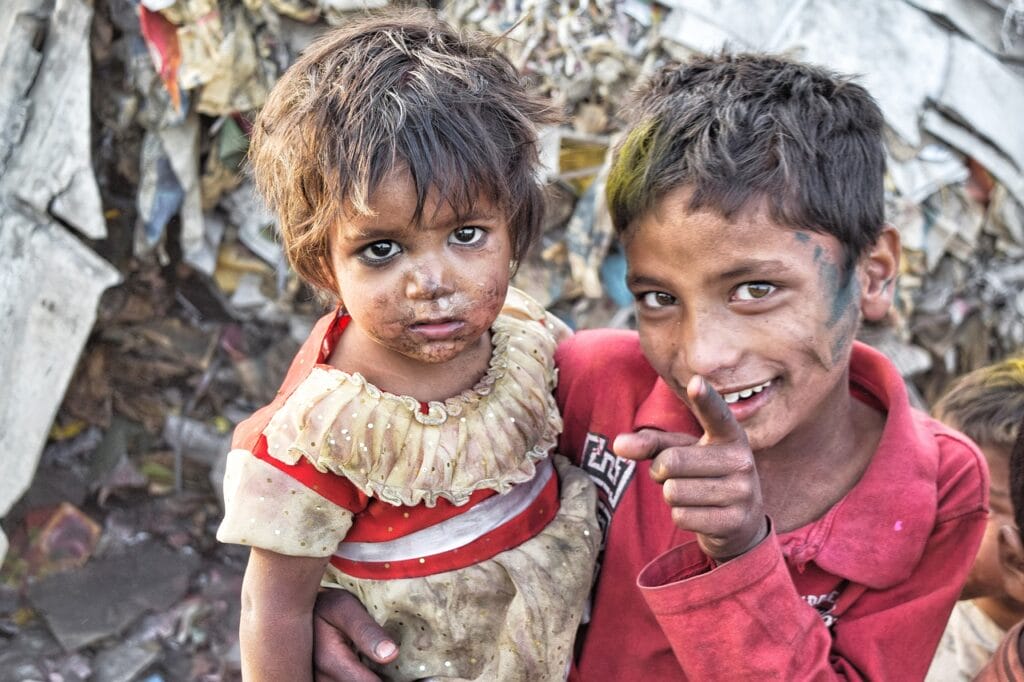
1011	561
877	270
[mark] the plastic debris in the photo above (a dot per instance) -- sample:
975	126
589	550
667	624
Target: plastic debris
124	132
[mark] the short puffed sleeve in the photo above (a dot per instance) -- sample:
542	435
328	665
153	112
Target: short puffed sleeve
270	509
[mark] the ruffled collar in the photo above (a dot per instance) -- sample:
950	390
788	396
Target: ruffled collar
486	437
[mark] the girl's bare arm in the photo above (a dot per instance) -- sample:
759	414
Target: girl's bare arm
276	631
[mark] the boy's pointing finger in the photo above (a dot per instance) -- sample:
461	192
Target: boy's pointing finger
648	443
713	413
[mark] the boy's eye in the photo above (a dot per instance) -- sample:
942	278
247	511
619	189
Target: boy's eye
655	299
467	236
380	251
752	291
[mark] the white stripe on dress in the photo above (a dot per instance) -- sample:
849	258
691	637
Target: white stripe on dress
457	531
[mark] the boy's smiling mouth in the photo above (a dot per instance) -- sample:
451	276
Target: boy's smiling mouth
743	394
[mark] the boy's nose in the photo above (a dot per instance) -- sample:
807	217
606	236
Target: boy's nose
710	348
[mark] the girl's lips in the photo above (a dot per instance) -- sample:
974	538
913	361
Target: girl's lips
439	330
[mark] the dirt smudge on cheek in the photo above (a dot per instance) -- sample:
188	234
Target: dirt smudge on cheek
841	293
491	288
843	301
828	345
844	313
839	287
388	310
845	332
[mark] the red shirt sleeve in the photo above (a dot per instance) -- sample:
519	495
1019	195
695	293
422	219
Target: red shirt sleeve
764	630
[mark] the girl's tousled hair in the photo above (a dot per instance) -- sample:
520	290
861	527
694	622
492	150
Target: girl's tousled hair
399	91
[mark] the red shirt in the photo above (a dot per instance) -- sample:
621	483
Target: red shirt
862	592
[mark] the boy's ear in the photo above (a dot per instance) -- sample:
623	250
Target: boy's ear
1011	561
878	269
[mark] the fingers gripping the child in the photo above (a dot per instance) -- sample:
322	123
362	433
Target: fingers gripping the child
711	483
343	629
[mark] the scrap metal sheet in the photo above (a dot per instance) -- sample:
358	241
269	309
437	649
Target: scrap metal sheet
48	166
50	284
898	51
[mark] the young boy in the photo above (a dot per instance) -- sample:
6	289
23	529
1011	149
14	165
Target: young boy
819	527
1007	664
987	405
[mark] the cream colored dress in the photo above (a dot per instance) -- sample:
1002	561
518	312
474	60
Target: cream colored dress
967	644
510	617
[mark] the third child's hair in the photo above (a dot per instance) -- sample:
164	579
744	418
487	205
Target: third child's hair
738	129
986	404
1017	479
399	91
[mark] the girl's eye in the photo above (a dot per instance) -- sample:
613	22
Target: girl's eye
656	299
752	291
378	252
467	236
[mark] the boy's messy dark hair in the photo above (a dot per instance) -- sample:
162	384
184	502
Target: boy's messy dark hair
986	404
396	91
743	128
1017	479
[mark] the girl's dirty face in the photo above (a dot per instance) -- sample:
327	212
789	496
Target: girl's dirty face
427	290
766	313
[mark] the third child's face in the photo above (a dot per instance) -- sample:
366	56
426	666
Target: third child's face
986	576
764	312
425	292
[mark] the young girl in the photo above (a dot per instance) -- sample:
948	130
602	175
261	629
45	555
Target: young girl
405	458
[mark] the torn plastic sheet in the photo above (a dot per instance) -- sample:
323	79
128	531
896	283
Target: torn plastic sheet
256	223
588	236
161	38
45	105
46	322
871	40
934	229
221	60
707	25
160	194
335	7
1006	223
982	22
993	160
292	9
987	96
181	143
953	224
170	185
934	167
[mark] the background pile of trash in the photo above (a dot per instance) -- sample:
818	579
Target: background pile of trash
147	307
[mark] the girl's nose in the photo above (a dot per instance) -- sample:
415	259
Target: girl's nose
428	281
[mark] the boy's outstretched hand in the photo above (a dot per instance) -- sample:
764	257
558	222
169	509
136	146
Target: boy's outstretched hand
711	483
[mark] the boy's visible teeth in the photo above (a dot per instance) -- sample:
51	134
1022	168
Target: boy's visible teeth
745	393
